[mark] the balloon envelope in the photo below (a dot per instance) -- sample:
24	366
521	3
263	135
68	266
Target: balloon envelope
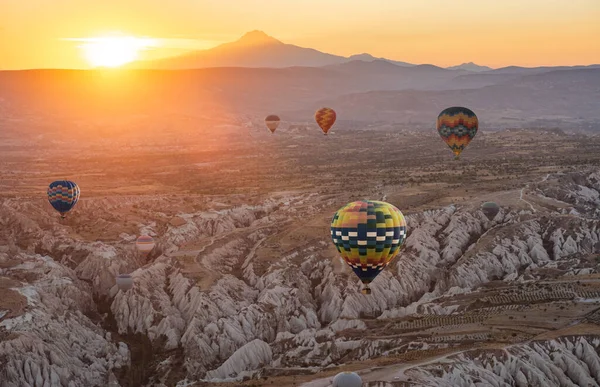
368	235
124	282
490	209
325	117
457	126
145	244
272	122
347	379
63	195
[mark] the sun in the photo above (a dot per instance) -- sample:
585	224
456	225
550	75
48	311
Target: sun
113	51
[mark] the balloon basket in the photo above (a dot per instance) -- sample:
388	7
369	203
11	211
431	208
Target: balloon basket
366	291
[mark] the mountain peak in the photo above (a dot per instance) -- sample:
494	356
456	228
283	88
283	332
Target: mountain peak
470	66
257	37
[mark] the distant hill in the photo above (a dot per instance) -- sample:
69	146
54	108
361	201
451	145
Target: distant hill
568	96
254	90
357	90
475	80
370	58
517	70
470	67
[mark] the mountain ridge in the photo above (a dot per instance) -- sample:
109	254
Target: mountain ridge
258	49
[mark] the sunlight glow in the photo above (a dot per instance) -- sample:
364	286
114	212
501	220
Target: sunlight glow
114	51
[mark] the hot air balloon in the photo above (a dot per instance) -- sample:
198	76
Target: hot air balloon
457	126
124	282
145	244
347	379
63	195
368	235
325	117
272	122
490	209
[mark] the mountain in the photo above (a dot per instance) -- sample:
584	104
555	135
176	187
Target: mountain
257	49
254	49
470	67
370	58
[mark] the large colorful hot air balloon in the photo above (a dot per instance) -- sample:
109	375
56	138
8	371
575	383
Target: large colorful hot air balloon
368	235
145	244
124	282
457	126
272	122
63	195
347	379
490	209
325	117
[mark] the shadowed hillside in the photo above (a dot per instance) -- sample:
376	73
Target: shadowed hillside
360	91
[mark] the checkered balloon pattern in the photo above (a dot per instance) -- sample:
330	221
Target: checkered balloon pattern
368	235
457	126
63	195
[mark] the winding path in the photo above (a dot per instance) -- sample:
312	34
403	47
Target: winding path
527	186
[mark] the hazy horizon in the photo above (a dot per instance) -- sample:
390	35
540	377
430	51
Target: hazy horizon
40	34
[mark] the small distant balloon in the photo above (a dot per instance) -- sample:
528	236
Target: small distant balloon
347	379
457	126
63	195
272	122
368	235
124	282
325	118
145	244
490	209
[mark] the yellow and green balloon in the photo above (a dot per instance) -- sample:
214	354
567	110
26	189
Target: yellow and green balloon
368	235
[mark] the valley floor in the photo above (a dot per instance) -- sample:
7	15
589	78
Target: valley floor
245	287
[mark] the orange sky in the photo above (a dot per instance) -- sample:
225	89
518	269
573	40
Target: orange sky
496	33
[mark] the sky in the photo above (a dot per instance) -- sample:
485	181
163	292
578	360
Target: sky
496	33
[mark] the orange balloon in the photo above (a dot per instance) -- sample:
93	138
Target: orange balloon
325	117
